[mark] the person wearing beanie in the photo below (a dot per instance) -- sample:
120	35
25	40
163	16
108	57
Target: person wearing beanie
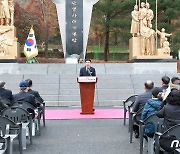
23	95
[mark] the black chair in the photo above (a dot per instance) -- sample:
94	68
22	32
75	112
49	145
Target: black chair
6	101
157	122
3	144
41	110
127	104
134	119
31	109
19	115
173	131
10	130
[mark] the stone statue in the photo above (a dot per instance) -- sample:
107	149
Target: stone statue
11	11
152	41
142	16
150	14
5	41
166	47
145	44
148	37
4	12
135	21
163	35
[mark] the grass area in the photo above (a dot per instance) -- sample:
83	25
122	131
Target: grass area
112	49
90	49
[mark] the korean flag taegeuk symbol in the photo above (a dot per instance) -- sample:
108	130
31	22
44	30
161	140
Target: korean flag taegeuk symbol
30	47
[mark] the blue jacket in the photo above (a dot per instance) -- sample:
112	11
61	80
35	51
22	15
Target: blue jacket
151	107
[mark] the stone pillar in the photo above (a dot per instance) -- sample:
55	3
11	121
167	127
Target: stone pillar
74	20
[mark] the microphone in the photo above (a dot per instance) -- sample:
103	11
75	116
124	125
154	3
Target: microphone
89	71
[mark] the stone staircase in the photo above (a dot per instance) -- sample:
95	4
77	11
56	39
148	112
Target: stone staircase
57	83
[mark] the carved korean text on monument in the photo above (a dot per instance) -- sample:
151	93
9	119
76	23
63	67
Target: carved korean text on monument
74	27
144	38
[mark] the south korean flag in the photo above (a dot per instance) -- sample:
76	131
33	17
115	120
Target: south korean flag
30	47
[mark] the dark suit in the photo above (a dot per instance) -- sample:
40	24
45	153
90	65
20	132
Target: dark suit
170	113
36	95
141	100
6	93
23	96
85	72
139	105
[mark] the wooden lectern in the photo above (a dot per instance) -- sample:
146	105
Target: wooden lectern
87	89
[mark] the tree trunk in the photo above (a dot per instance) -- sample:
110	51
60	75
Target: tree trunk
106	47
106	44
45	16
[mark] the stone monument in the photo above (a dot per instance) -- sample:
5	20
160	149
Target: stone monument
143	44
74	20
9	47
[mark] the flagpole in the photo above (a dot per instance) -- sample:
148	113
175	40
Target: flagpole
139	4
136	2
156	23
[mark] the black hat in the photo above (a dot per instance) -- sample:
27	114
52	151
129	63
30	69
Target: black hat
2	83
23	84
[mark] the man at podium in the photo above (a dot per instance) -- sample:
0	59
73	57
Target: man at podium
87	70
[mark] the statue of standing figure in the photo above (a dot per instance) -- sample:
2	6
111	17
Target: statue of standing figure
142	16
149	15
163	35
135	21
145	41
11	10
6	12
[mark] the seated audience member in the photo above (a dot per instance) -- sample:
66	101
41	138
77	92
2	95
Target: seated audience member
23	95
171	111
33	92
140	102
5	93
165	82
142	98
175	80
152	105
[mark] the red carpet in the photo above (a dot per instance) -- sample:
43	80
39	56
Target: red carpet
75	114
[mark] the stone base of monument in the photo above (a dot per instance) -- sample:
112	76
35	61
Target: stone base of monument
135	46
9	46
71	60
